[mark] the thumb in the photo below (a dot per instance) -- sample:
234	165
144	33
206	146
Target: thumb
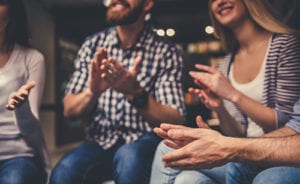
135	67
201	123
30	85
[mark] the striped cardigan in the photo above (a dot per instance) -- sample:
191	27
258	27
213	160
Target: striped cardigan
282	78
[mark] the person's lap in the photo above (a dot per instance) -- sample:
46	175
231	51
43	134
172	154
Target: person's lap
89	163
132	162
254	174
22	170
165	175
85	164
278	175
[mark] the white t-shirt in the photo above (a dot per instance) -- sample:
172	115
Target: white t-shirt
254	90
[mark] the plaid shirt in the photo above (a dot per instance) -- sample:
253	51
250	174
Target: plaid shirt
114	118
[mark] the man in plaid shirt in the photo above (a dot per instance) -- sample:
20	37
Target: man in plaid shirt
126	81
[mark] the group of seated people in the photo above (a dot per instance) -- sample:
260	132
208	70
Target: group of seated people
127	86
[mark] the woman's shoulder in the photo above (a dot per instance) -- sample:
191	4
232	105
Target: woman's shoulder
286	37
30	54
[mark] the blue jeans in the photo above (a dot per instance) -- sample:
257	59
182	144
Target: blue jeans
22	170
165	175
91	164
248	173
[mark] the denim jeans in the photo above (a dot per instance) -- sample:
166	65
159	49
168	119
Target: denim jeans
91	164
165	175
247	173
22	170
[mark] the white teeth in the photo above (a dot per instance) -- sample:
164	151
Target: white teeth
117	7
106	3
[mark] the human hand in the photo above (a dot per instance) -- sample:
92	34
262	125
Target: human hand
215	81
95	83
119	78
164	128
16	99
162	132
207	150
208	98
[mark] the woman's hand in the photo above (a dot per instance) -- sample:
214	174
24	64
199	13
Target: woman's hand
208	98
214	81
16	99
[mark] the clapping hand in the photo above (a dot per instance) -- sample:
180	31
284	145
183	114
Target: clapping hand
195	148
119	78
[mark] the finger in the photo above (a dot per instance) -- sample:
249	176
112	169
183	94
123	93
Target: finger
110	67
201	84
178	165
100	55
29	85
167	126
188	164
135	68
19	97
161	133
176	143
175	155
194	91
10	107
203	98
181	163
12	102
206	68
201	123
199	76
171	144
185	135
93	66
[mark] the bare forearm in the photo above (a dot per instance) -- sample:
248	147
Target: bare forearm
267	151
228	124
155	113
262	115
76	105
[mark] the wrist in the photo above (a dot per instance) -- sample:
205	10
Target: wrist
139	99
232	149
90	93
235	96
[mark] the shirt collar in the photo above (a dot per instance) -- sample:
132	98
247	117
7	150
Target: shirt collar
142	37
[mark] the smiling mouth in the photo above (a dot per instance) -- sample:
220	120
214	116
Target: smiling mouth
225	10
119	4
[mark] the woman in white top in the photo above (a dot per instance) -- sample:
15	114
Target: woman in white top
255	89
23	156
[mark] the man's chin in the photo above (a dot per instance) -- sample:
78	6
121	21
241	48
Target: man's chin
120	20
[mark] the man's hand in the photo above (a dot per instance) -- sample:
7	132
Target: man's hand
207	150
95	83
163	132
119	78
195	148
16	99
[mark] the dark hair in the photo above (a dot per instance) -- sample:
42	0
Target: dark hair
16	30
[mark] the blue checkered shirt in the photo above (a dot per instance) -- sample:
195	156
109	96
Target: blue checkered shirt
114	118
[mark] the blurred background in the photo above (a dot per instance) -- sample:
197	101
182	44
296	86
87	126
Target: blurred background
58	28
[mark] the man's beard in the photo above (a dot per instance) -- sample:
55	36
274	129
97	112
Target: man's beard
126	18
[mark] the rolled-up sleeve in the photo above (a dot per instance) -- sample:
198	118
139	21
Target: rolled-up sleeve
294	122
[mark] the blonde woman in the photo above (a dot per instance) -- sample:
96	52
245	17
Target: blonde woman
254	90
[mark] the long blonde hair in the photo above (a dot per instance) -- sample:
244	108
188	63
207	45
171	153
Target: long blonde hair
261	12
